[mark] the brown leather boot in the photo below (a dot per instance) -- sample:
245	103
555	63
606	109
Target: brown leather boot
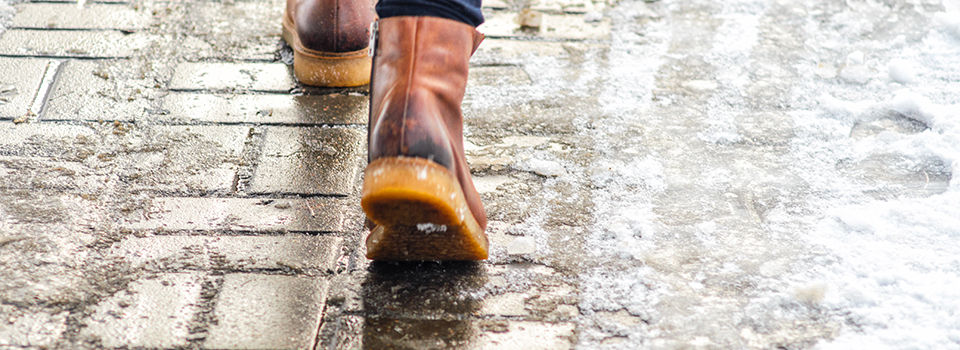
417	188
330	41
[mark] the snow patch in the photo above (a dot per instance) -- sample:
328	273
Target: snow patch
881	268
901	71
856	74
543	167
522	245
612	290
950	22
899	264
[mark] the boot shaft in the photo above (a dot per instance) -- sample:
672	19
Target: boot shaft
418	83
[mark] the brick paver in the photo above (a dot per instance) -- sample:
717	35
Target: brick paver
266	109
21	78
267	312
309	161
70	16
72	44
267	77
292	252
65	142
246	214
95	90
154	312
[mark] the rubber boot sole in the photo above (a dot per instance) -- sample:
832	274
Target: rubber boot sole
327	69
419	213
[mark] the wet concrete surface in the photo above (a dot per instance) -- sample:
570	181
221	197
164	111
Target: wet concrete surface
646	168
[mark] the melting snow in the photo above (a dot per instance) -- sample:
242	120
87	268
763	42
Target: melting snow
857	240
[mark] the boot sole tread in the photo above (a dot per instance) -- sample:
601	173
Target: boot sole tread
419	212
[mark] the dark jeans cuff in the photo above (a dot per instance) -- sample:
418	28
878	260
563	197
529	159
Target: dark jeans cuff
466	11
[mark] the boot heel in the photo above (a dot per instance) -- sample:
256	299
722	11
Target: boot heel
420	213
332	71
329	69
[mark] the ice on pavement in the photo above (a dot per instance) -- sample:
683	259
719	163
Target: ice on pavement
807	200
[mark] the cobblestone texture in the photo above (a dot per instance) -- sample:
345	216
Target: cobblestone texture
213	201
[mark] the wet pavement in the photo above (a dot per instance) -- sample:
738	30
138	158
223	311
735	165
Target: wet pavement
657	174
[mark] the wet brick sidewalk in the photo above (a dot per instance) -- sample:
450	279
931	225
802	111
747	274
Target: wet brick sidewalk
166	183
657	174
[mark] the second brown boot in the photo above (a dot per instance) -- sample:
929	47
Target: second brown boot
330	41
417	188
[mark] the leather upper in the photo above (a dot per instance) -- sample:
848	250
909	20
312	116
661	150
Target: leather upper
332	25
419	78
